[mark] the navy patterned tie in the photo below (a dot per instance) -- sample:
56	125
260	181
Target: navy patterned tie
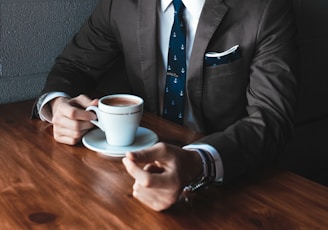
176	68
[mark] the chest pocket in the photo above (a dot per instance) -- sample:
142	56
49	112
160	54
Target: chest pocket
224	92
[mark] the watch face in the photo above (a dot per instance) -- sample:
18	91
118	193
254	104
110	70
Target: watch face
203	182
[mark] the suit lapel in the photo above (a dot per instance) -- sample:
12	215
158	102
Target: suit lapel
148	49
211	16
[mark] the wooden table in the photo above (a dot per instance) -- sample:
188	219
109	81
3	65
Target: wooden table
47	185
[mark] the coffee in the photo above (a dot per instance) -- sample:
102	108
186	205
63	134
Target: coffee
119	102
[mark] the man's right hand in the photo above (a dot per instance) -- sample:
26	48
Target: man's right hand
70	119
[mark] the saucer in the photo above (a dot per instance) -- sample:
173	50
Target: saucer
96	141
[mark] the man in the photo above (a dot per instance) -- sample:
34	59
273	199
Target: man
244	106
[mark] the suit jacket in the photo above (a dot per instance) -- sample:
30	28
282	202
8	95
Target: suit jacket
245	108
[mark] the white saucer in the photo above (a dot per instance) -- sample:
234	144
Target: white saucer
96	141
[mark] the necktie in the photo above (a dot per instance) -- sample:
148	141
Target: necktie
176	68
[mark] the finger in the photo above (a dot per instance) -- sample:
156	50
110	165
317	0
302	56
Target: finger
145	178
69	130
63	121
134	170
157	199
67	140
76	108
64	131
158	152
74	125
68	136
82	101
75	113
153	168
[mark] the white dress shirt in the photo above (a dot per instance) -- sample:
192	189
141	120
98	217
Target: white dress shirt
166	17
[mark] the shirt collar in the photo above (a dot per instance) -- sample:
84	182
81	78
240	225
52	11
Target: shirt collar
194	6
165	4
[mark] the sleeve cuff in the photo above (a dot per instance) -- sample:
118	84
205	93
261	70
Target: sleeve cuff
216	156
43	107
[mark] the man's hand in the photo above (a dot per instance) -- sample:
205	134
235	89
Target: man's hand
167	170
70	120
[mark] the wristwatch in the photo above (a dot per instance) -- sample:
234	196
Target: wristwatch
199	184
208	173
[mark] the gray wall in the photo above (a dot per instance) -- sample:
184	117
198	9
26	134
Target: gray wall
32	34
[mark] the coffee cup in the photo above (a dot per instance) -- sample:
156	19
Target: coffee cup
118	116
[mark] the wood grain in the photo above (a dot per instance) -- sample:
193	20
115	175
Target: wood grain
48	185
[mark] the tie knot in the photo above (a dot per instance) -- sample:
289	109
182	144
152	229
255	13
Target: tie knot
178	6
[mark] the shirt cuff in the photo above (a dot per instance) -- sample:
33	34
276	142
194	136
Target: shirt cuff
43	107
216	156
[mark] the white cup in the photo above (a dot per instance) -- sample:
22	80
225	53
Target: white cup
118	116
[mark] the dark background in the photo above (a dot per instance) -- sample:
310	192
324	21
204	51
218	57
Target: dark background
307	154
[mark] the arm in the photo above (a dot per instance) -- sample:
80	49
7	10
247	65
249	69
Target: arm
77	71
251	141
255	140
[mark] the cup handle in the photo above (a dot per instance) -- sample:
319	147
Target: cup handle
95	122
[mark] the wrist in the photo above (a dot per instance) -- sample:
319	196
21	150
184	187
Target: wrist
55	102
195	166
215	156
208	173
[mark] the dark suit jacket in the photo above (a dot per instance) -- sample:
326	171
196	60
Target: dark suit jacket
245	108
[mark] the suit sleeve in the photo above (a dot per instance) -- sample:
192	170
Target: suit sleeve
256	140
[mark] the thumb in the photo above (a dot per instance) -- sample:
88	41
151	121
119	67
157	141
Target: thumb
93	102
83	101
